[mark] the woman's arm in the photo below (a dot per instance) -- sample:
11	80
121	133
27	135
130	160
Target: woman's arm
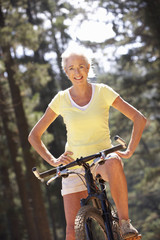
35	139
139	122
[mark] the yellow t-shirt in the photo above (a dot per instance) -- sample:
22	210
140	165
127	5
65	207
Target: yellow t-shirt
87	130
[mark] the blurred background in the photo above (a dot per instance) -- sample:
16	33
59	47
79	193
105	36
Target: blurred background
124	37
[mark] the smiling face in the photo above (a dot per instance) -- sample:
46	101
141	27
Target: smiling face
77	69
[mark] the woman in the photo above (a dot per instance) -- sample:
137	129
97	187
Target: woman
85	110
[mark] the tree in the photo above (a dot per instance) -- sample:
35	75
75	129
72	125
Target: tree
34	187
8	203
16	166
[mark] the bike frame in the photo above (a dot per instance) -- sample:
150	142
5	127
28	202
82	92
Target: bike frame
95	195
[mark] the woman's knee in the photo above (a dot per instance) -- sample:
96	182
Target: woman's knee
114	163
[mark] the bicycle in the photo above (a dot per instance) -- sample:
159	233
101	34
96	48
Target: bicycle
96	219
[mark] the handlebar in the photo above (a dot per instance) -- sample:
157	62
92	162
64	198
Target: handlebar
80	161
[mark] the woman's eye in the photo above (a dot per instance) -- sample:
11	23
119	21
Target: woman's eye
71	69
81	66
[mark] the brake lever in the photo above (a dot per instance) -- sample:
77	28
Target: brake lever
64	173
99	160
52	179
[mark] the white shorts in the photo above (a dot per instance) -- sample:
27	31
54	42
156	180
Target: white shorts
74	183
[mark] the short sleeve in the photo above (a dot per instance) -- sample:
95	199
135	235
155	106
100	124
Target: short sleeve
109	94
55	104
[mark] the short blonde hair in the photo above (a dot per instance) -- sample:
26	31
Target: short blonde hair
79	51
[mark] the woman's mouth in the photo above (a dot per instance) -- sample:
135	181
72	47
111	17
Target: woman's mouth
78	78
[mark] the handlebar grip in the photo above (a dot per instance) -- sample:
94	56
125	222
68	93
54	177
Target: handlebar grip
36	173
121	141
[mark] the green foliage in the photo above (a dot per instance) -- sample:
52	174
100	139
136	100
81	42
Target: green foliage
6	36
27	36
18	31
34	77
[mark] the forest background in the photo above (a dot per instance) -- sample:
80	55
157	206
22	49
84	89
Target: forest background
125	39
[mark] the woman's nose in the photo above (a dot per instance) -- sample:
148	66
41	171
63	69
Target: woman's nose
77	71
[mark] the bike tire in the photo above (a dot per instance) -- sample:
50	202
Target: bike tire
89	221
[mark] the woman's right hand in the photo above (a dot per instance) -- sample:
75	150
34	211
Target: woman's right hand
64	159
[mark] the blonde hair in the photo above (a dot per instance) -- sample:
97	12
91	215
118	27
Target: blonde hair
79	51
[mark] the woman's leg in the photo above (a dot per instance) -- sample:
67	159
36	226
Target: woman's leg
112	171
71	207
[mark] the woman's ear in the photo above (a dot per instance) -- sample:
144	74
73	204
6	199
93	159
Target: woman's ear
88	67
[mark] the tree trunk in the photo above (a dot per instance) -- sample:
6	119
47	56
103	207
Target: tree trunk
64	81
25	199
13	229
34	186
51	213
153	20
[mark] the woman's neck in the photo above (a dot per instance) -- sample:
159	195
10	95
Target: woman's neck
81	95
81	90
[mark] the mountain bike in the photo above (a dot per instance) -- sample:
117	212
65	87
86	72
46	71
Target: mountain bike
97	219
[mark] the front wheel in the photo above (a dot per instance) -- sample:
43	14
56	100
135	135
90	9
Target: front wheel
89	224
